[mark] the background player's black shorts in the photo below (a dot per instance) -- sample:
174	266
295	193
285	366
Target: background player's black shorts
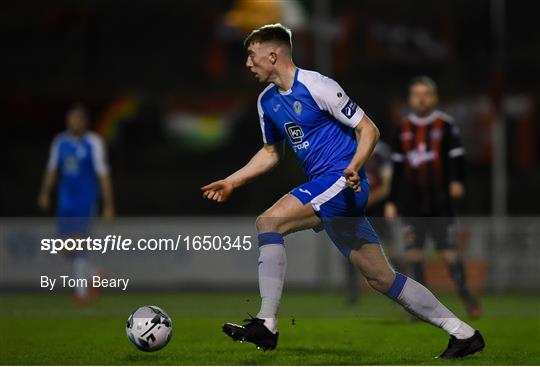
443	231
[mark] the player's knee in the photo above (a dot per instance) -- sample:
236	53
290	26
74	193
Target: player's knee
267	223
261	223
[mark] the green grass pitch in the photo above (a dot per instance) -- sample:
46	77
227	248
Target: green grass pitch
316	328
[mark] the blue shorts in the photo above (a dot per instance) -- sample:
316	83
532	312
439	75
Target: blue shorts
75	220
341	209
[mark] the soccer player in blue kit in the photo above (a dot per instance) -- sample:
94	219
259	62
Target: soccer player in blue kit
333	138
78	157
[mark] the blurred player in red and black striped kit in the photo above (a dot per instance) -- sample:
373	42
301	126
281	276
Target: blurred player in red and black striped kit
429	171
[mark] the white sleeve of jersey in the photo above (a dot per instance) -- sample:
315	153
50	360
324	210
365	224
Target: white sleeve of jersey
98	155
52	164
330	97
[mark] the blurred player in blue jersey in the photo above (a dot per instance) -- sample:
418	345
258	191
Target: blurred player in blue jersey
78	158
333	138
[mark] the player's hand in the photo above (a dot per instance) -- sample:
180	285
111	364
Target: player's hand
44	202
218	191
108	212
353	179
456	189
390	211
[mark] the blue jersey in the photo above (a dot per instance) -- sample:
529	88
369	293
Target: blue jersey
316	117
79	161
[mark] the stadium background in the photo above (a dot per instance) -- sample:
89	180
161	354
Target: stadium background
167	89
166	85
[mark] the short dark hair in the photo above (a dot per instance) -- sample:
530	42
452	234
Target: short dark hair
270	33
79	107
425	80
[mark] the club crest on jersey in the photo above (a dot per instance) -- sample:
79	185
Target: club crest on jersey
350	109
296	135
297	107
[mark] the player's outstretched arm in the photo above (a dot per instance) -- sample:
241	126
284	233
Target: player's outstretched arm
367	135
263	161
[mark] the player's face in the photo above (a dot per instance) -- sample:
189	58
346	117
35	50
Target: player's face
259	61
422	99
76	122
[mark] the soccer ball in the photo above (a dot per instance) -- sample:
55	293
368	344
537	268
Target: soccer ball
149	328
